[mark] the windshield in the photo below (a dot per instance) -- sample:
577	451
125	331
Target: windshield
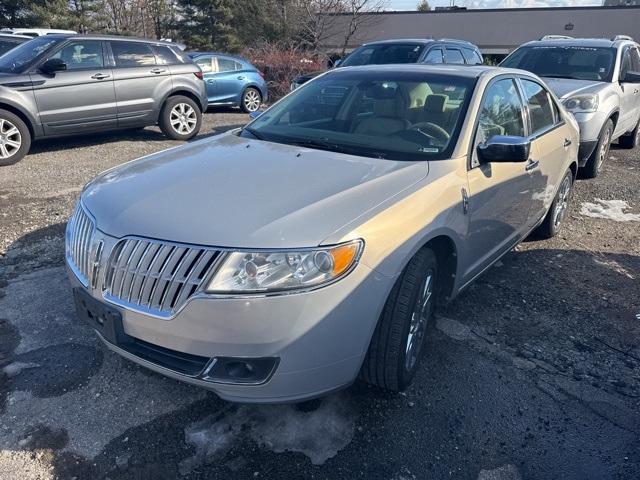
392	115
385	53
25	55
582	63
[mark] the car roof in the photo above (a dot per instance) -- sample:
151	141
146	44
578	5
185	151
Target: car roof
423	41
460	70
585	42
108	37
13	36
226	55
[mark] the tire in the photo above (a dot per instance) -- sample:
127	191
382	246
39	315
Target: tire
180	118
594	165
554	219
251	100
396	346
15	138
631	141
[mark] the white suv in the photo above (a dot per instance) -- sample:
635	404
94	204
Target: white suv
598	80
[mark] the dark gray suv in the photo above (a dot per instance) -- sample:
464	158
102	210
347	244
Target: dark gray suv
67	84
417	50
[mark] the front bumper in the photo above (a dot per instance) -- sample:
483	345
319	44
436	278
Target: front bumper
319	337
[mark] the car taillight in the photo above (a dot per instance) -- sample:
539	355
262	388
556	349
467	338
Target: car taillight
261	74
199	75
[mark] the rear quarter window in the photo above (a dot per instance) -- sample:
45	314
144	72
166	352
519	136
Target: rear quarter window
169	56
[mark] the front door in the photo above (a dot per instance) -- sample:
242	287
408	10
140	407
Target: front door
499	193
82	98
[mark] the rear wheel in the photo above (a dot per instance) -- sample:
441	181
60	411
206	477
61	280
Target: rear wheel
631	141
554	219
180	118
396	346
594	165
15	139
251	100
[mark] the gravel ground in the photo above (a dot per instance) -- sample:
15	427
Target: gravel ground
532	373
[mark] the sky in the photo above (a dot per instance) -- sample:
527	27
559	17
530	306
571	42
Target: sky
411	4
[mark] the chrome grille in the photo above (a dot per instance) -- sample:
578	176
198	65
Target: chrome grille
155	277
79	238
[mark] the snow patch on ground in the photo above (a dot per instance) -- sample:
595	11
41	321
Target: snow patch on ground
319	434
609	209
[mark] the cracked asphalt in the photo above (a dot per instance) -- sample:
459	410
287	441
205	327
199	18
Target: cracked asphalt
532	373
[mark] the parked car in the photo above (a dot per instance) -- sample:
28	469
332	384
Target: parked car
232	81
598	81
35	32
341	216
421	50
68	84
8	41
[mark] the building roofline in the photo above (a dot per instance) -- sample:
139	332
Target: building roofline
493	10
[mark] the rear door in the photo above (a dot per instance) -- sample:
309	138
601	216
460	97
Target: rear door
230	80
80	99
551	138
141	83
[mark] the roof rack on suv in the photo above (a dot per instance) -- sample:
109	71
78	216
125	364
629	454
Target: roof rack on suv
555	37
622	37
453	40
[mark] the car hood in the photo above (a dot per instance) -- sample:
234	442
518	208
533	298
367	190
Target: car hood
565	88
229	191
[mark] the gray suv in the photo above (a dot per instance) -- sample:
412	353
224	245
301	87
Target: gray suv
598	80
418	50
68	84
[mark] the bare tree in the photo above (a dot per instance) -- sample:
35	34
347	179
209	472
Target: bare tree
359	15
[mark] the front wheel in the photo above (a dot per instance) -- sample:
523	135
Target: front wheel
554	219
594	165
180	118
15	138
251	100
396	346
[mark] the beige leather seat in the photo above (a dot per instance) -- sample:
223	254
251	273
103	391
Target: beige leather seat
387	117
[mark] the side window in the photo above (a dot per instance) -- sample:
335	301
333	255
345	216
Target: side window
500	114
79	55
434	56
166	55
132	54
540	106
226	65
453	55
206	64
635	60
625	66
471	56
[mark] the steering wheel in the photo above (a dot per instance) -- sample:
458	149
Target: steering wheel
432	130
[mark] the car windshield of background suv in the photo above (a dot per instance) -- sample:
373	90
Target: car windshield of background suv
384	54
573	62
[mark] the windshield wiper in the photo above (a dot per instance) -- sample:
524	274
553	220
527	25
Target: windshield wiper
331	147
561	76
254	133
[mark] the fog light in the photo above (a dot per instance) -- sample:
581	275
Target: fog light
241	370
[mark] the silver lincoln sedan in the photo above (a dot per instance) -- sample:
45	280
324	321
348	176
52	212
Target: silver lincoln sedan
284	260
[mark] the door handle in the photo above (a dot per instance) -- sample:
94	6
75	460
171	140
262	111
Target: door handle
567	142
100	76
531	165
212	81
240	77
158	70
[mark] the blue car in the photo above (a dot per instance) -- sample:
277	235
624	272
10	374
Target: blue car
231	81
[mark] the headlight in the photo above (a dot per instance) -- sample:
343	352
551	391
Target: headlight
284	271
587	102
293	86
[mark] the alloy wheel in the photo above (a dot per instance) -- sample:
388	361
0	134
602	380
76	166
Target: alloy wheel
183	118
10	139
419	319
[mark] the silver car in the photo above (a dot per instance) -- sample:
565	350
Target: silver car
598	80
282	261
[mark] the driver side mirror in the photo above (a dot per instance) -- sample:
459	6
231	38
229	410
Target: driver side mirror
53	65
504	149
